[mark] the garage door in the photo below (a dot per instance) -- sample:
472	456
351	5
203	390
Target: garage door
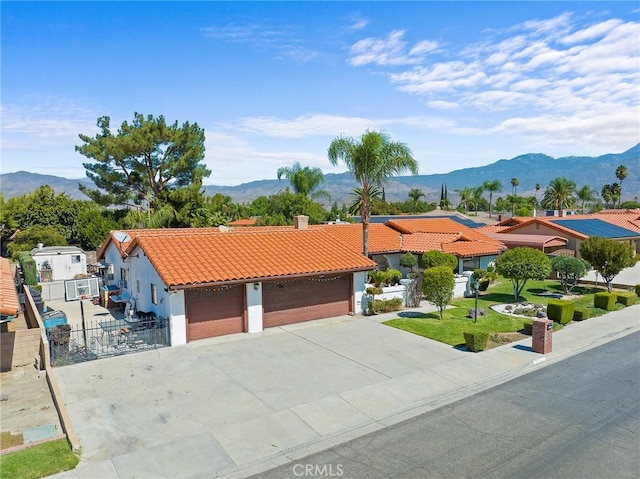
305	299
214	312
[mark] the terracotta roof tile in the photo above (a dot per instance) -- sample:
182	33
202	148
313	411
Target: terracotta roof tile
9	305
441	225
186	259
473	248
382	239
243	222
423	242
491	229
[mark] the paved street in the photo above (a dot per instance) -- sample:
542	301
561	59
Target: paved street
579	418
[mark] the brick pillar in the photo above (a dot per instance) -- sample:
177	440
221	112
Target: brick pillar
541	340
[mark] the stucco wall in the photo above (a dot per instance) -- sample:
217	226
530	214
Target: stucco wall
61	265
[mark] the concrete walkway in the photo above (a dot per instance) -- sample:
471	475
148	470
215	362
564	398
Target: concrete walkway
233	406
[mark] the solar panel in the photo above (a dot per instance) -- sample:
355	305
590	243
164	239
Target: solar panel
383	219
596	227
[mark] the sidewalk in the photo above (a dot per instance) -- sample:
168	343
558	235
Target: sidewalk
234	406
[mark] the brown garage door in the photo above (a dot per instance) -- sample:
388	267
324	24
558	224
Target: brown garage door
305	299
214	312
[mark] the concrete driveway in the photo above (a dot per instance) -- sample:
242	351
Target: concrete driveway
226	407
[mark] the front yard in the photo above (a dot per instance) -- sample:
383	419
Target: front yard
501	327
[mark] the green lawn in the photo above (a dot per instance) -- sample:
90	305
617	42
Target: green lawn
38	461
449	330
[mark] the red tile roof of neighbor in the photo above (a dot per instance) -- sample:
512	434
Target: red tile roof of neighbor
244	222
195	259
9	305
382	239
547	223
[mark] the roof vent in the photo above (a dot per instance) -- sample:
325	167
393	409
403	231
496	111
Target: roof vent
40	245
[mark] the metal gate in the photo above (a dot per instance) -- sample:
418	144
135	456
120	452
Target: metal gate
101	339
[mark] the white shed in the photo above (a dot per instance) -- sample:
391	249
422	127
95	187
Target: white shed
59	263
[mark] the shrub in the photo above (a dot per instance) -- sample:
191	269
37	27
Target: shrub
434	258
626	298
476	341
606	301
408	260
528	326
386	305
393	276
560	311
638	289
580	314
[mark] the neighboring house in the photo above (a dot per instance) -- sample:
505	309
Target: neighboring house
575	229
210	282
9	305
546	244
59	263
472	248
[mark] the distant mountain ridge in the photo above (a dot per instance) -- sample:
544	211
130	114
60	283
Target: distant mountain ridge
529	169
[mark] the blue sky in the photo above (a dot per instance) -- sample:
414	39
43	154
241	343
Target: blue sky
461	83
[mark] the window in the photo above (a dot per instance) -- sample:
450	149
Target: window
154	294
76	258
138	286
123	277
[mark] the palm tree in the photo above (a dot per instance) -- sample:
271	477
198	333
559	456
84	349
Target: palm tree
492	187
585	195
514	186
559	194
304	181
621	174
465	196
476	196
415	194
372	159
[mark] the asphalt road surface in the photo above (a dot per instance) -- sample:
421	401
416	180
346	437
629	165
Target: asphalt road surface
578	418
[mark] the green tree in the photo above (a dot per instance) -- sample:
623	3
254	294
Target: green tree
621	174
559	194
304	181
608	257
437	285
146	157
280	209
585	195
434	258
415	194
514	186
569	270
29	238
522	264
372	160
476	197
536	194
492	187
94	224
465	197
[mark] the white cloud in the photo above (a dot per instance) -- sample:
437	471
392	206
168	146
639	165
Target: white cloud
576	79
391	50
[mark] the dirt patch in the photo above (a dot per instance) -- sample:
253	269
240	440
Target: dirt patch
9	440
500	339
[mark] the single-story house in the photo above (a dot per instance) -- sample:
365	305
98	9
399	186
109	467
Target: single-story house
575	229
58	263
209	282
472	248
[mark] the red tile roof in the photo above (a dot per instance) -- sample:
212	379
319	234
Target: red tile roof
382	239
423	242
243	222
9	305
194	258
546	222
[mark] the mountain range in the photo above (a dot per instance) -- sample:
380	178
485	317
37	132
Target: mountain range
529	169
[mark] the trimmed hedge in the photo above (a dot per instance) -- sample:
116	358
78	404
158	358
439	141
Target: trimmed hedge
560	311
606	301
580	314
476	341
528	326
626	298
387	305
